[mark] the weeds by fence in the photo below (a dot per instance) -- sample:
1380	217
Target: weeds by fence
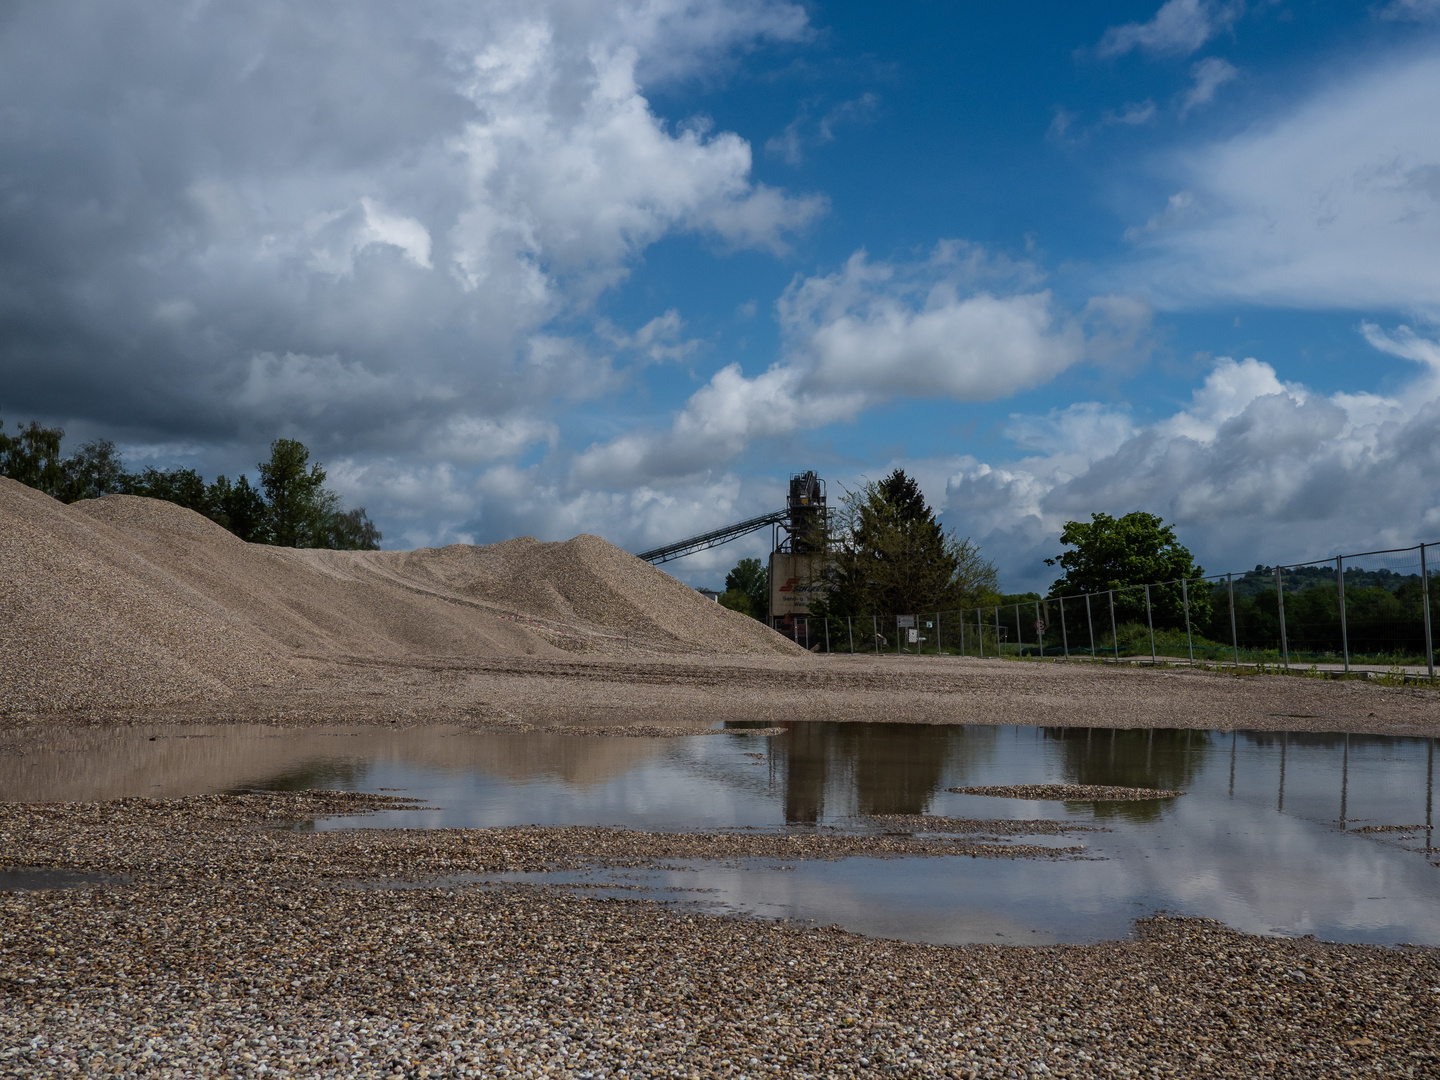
1375	608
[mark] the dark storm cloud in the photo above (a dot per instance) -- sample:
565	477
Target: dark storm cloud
224	221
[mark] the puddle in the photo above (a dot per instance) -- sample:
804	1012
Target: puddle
32	879
1277	833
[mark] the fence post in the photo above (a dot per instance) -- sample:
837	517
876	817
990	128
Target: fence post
1151	620
807	633
1019	634
875	629
1280	599
980	632
827	635
897	635
1114	633
1039	634
1425	607
999	652
1090	622
1234	635
1189	642
1064	635
937	633
1340	592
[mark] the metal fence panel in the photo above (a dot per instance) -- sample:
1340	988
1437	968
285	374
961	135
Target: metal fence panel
1373	608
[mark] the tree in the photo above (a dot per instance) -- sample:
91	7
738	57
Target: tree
1128	552
295	493
241	509
94	470
891	556
183	487
348	530
32	456
747	589
303	512
299	511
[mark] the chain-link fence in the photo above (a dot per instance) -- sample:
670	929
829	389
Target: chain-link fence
1372	610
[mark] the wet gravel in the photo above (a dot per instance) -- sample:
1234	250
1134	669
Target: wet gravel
934	823
241	948
1068	792
206	837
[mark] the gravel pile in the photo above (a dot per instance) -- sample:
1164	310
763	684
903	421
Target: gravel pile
1068	792
224	958
124	602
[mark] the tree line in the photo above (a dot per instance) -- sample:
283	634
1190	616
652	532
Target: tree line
290	507
886	554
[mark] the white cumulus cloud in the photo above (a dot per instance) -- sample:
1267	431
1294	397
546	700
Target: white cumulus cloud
1180	26
352	224
1207	77
959	324
1252	470
1334	204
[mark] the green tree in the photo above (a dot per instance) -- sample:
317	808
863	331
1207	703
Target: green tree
1126	553
295	508
747	589
241	509
348	530
183	487
892	556
32	456
303	512
94	470
295	492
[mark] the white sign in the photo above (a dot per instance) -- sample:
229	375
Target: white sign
794	579
914	636
902	621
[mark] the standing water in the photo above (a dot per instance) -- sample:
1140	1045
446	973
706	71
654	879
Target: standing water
1278	833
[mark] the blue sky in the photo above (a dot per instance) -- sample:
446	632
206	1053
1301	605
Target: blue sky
622	267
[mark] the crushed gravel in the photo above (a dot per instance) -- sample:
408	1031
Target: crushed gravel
934	823
228	955
1067	792
138	837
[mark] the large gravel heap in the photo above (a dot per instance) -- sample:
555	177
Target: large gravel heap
125	601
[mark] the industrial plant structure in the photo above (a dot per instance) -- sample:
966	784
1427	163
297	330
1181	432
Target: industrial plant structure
798	551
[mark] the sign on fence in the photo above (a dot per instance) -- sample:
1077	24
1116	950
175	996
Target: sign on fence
904	621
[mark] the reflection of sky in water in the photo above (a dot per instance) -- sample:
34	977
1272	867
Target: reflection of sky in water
1258	851
1257	842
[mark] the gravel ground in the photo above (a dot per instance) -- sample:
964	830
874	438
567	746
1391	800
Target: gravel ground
1068	792
242	949
221	833
655	694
